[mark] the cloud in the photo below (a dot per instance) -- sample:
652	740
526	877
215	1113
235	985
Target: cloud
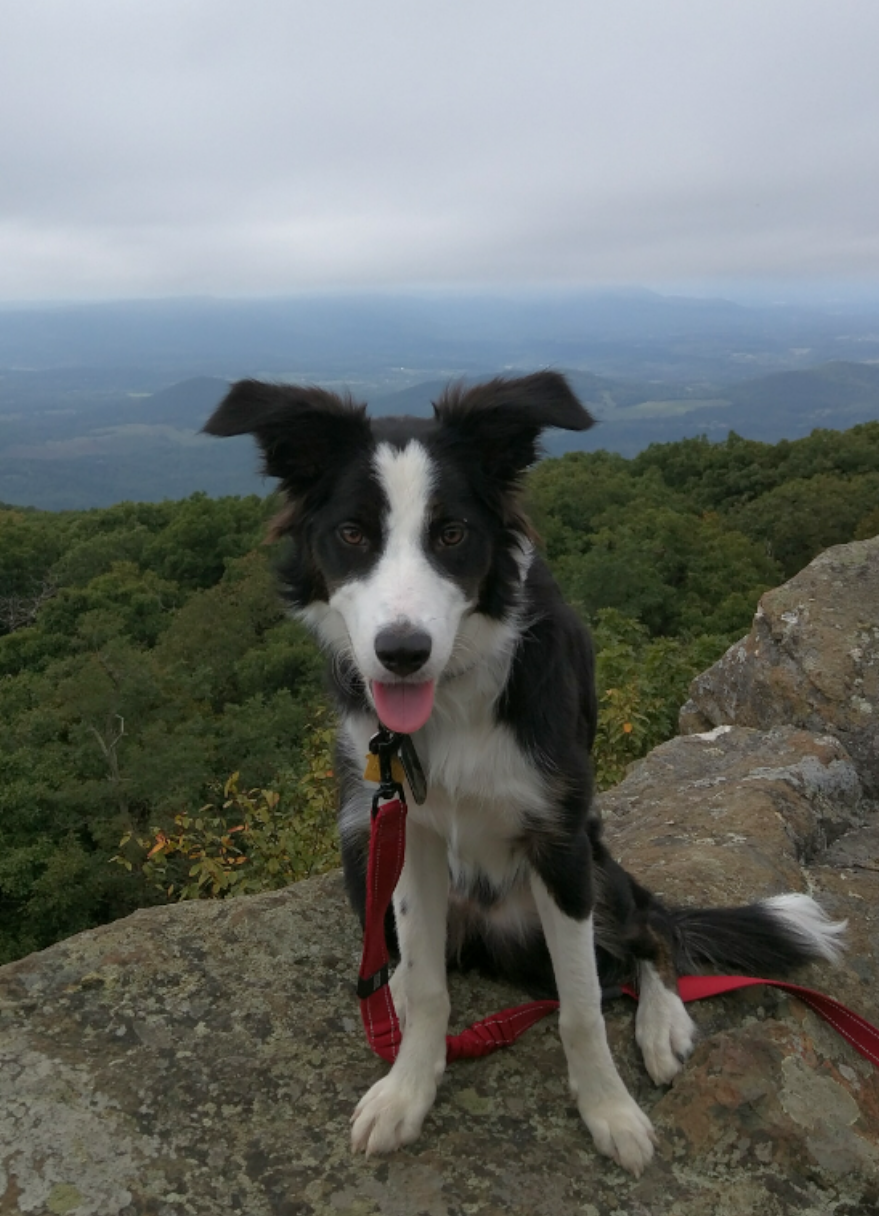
205	146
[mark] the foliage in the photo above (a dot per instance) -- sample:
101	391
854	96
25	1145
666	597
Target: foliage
132	695
145	656
667	555
642	683
724	476
799	518
258	840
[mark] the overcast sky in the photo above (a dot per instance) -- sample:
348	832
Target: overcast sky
180	147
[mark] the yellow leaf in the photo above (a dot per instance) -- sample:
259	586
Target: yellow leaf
161	841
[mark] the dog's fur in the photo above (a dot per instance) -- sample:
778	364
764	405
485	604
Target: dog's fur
412	560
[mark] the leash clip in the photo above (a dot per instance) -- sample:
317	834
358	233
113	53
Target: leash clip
385	744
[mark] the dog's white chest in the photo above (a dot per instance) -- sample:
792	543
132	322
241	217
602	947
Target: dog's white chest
481	768
481	787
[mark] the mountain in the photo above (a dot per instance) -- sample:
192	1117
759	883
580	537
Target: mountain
829	391
63	445
631	414
186	404
103	402
78	448
402	339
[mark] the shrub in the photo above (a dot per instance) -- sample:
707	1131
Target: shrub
255	840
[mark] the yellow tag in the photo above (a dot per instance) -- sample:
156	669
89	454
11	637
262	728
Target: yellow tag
372	771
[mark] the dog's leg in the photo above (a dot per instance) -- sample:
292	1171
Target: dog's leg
397	984
619	1127
664	1030
391	1113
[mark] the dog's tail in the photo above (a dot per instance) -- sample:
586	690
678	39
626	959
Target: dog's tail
769	938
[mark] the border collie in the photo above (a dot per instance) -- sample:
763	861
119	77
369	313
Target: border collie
411	558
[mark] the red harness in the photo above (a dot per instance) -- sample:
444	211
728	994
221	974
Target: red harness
386	851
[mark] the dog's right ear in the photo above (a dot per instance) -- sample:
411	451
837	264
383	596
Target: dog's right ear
304	432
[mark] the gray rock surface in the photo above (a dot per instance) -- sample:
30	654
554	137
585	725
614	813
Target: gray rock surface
204	1058
811	659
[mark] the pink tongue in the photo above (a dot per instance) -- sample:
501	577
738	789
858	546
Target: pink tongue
404	707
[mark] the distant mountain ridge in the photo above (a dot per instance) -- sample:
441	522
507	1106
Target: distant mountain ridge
830	386
71	440
836	385
187	402
632	332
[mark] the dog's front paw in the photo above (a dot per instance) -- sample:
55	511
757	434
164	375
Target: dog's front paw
622	1131
390	1114
665	1032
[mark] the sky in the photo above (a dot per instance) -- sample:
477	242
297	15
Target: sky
205	147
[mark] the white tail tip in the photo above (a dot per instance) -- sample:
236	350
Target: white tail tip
808	921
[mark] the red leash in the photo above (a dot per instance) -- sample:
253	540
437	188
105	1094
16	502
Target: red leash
386	851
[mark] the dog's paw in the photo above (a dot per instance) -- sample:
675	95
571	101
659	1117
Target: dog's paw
622	1131
665	1032
390	1114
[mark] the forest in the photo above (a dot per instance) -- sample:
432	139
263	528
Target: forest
164	730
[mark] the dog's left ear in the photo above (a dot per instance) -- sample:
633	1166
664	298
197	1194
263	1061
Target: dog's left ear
504	418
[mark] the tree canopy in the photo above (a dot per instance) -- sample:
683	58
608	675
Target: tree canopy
145	658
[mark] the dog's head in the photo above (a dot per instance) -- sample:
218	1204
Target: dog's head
402	529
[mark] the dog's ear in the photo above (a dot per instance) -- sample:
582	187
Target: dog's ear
304	432
504	418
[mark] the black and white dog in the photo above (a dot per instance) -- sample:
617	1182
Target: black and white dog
414	564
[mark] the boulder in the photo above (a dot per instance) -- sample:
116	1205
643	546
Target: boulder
205	1057
811	659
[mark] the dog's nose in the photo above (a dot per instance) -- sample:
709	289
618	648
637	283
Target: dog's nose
402	650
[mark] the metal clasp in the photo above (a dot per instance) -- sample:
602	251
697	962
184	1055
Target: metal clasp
386	744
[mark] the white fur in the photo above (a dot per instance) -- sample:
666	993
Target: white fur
479	781
479	786
664	1030
461	753
403	586
618	1125
808	921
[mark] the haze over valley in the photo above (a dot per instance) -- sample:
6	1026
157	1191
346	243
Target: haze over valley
104	402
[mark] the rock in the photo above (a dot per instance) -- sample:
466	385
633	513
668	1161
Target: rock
204	1058
724	815
811	659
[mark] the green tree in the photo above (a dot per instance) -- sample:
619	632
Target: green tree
145	655
799	518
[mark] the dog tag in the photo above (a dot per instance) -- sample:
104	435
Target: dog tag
413	770
372	772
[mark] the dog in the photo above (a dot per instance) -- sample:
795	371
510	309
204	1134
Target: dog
413	561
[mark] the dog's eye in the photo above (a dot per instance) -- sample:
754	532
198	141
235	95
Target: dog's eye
351	534
450	535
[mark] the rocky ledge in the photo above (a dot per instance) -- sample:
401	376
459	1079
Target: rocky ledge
204	1058
811	659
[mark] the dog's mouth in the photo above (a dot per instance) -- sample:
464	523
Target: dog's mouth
404	708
